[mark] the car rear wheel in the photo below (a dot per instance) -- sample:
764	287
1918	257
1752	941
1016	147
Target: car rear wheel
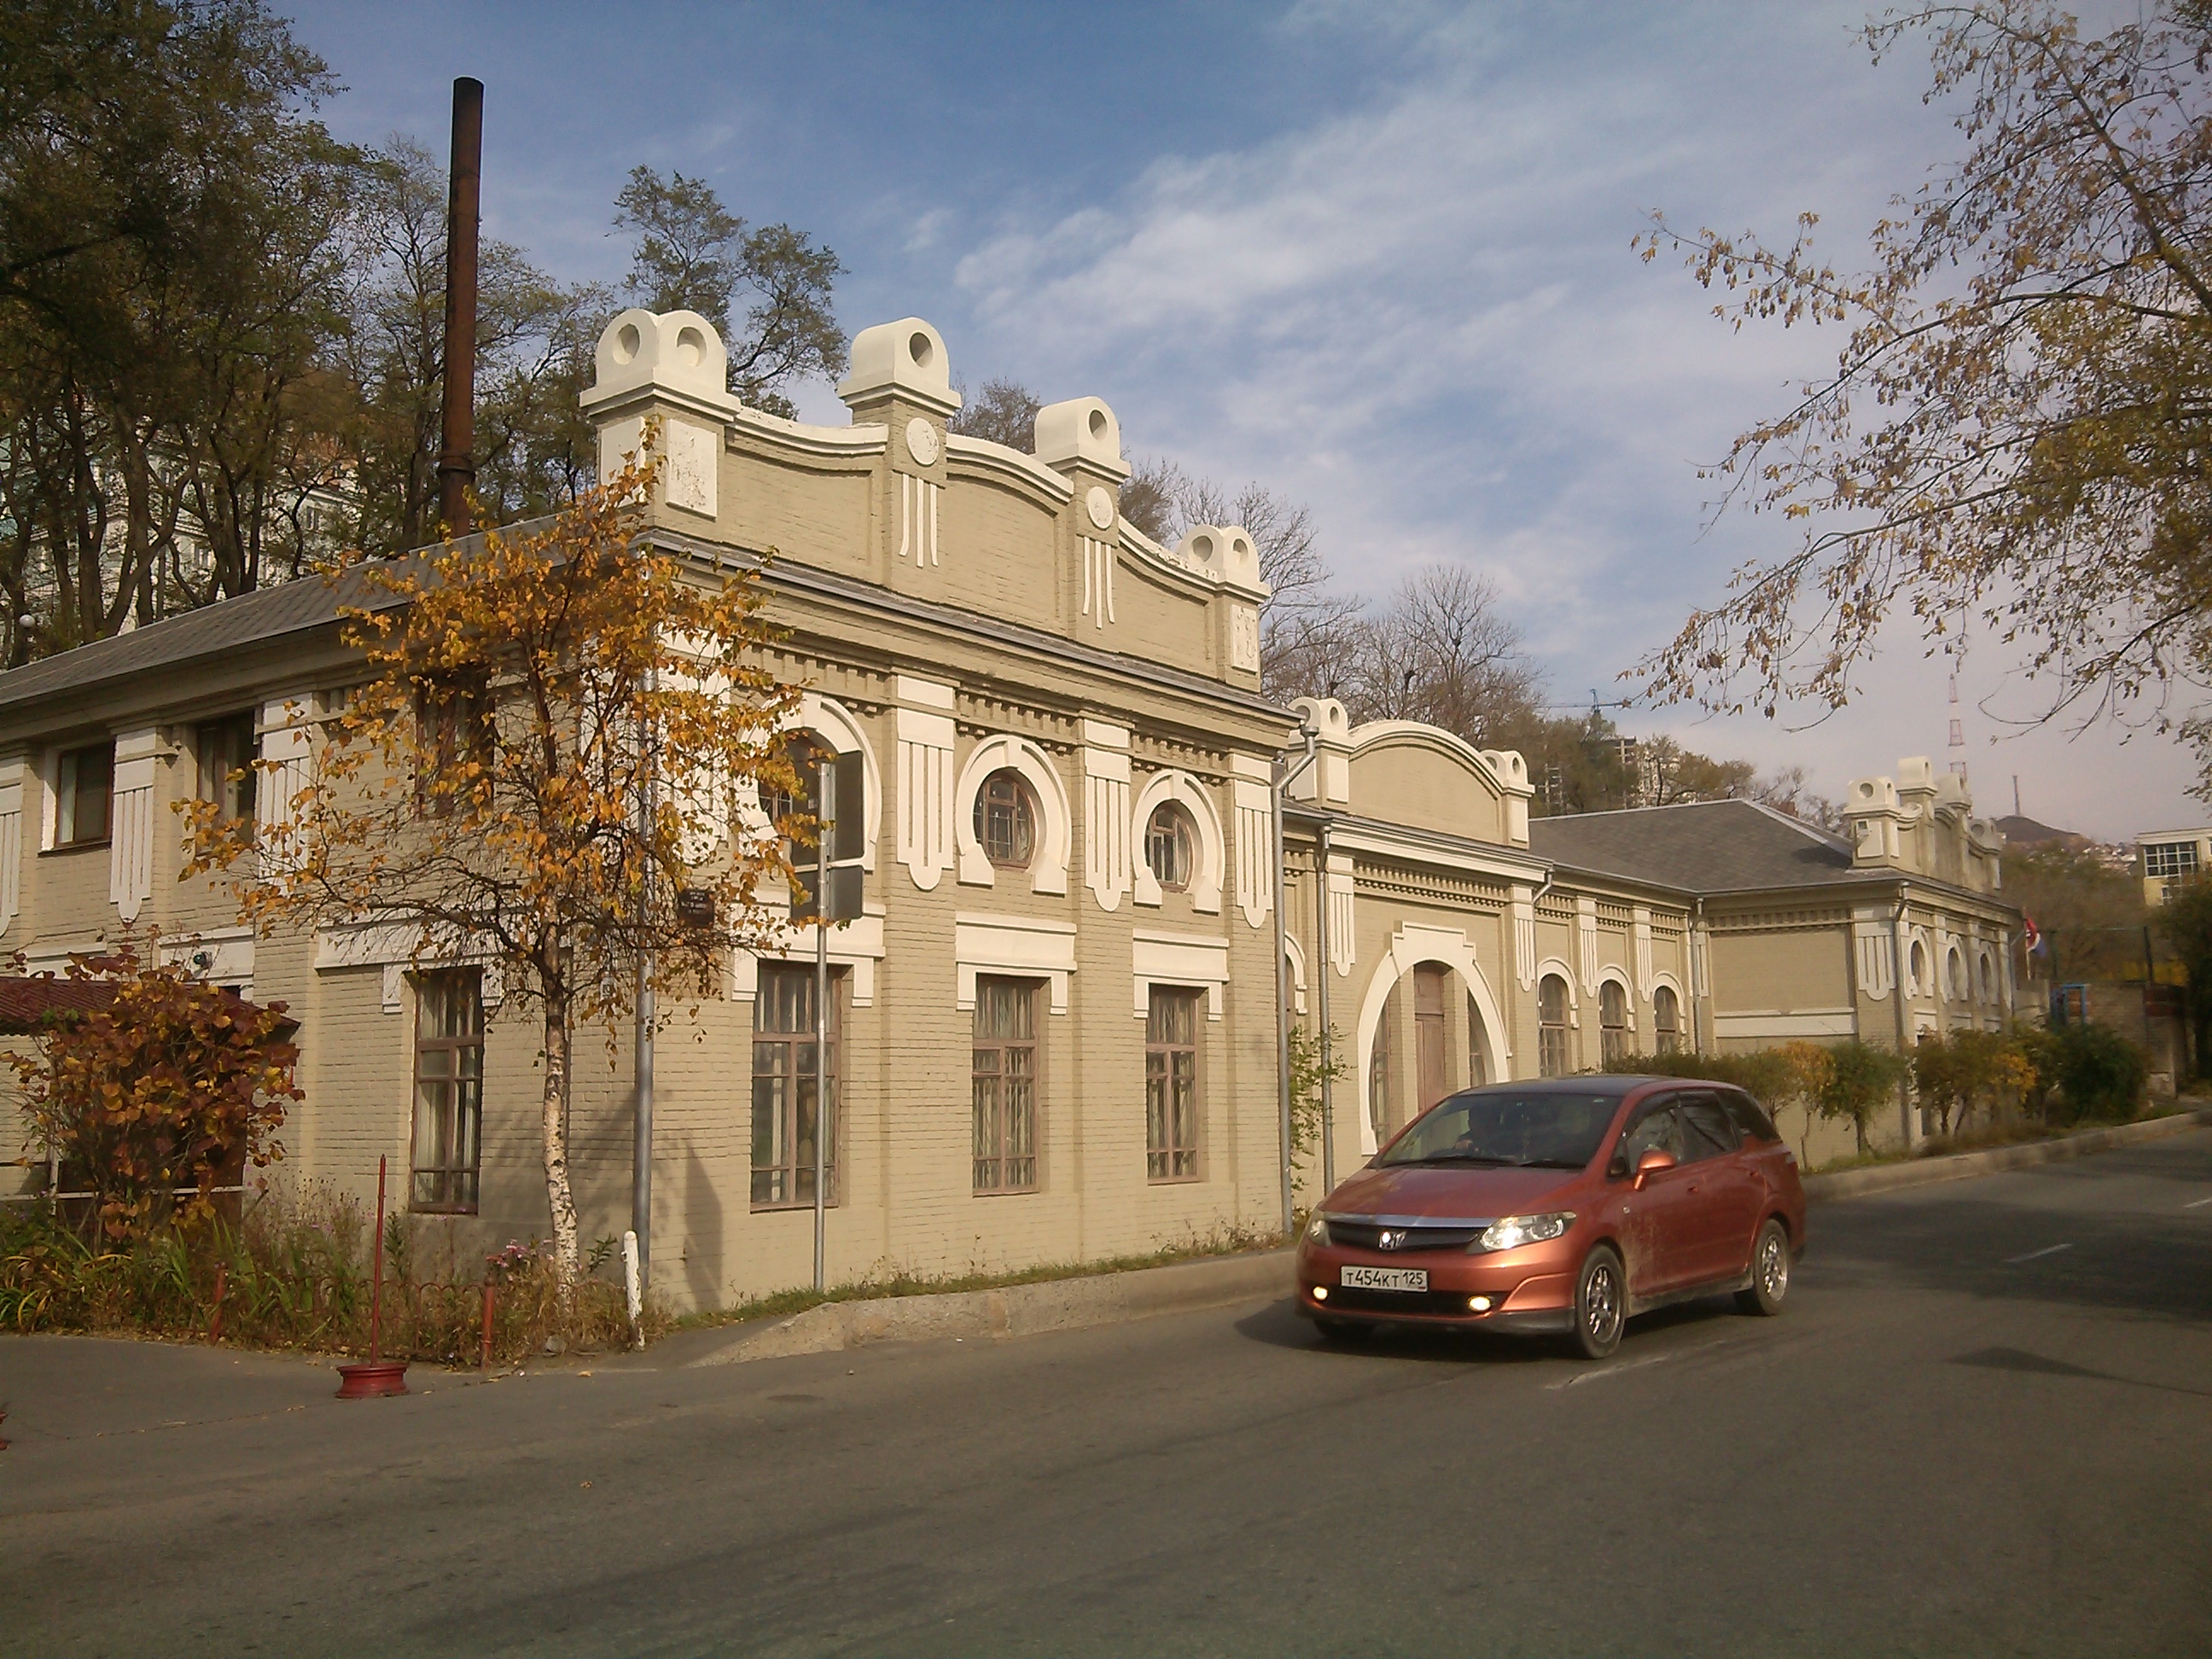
1601	1304
1343	1330
1770	1272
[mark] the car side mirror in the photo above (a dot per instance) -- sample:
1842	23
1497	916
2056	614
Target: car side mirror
1652	1163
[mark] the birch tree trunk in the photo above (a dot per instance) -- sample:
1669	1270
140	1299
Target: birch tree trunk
559	1197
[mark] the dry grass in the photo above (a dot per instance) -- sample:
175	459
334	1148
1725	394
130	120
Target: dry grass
294	1273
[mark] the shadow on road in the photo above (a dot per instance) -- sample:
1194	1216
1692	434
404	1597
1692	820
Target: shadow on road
2019	1359
1279	1326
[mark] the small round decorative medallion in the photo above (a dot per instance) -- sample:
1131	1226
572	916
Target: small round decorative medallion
1100	506
922	442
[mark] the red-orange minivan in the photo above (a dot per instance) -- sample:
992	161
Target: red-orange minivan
1559	1207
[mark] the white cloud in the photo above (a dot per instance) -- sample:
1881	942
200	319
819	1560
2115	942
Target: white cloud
1422	316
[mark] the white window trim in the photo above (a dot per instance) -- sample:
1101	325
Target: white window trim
1020	947
1047	868
1209	858
1190	962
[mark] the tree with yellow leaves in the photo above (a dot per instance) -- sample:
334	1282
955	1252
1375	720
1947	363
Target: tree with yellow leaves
556	722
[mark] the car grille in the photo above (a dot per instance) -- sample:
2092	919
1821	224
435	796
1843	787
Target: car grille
1398	1302
1367	1236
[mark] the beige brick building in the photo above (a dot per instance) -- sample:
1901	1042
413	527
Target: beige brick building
1056	1021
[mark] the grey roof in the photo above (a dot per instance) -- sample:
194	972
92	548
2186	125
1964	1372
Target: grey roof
296	607
266	614
1705	846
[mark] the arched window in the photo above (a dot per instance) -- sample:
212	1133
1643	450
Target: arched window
1666	1021
1552	1026
1919	960
781	806
1989	977
1006	820
1955	966
1169	846
1613	1021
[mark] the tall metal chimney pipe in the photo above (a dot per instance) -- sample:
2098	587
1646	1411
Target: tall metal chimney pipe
457	467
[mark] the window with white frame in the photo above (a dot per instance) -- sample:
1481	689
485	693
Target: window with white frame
1552	1026
1612	1021
84	787
1006	820
1171	1102
1666	1021
1003	1071
788	1107
1170	846
2170	859
226	750
449	1028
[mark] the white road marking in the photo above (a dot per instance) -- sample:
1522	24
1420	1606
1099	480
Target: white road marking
2034	1256
2197	1203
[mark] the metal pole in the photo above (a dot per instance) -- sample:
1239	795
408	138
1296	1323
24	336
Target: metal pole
1897	992
826	815
1320	1010
1283	775
640	1150
456	469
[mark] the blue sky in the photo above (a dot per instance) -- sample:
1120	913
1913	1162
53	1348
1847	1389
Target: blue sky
1374	256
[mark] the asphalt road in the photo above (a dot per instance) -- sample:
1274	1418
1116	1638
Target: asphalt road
1985	1427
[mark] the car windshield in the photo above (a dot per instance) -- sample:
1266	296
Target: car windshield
1549	1130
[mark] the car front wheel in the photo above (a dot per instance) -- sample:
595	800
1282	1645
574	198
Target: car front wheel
1770	1272
1601	1304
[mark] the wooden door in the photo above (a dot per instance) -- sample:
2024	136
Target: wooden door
1435	1078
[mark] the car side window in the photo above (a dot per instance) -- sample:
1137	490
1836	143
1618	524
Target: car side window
1706	1130
1752	1122
1655	1128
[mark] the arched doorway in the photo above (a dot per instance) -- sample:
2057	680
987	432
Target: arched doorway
1428	1025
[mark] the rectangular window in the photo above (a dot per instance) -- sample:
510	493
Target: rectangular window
84	783
788	1104
1004	1068
456	732
1171	1085
448	1088
227	750
2170	858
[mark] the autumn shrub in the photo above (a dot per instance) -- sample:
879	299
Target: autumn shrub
1953	1072
2087	1072
152	1098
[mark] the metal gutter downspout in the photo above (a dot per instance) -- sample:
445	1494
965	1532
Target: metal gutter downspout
1285	777
1697	1020
1897	990
1321	1009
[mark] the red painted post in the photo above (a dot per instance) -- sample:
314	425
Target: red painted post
214	1323
490	1293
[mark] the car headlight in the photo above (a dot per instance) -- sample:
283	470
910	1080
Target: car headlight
1512	1231
1318	1229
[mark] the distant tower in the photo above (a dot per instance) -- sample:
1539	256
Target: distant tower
1958	731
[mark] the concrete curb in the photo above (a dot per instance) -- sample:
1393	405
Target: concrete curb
1060	1304
1068	1304
1922	1172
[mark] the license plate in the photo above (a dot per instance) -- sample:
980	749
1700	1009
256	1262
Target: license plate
1383	1279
